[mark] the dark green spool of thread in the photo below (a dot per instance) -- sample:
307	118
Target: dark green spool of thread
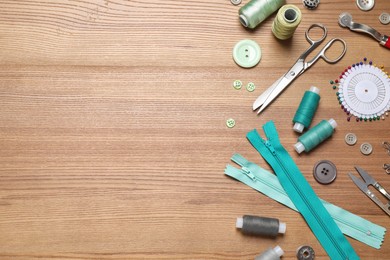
316	135
305	112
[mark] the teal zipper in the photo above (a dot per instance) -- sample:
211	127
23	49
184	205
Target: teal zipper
308	204
267	183
301	193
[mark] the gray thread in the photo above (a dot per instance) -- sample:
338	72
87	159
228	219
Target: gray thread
268	255
255	225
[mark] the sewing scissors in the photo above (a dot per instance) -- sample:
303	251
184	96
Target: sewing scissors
299	67
363	186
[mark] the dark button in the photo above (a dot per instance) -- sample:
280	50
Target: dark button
305	253
324	172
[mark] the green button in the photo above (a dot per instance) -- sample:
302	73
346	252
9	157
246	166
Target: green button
247	53
230	123
237	84
251	86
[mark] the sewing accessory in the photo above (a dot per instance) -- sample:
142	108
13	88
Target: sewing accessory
301	193
262	226
364	91
324	172
250	86
256	11
268	184
246	53
305	253
299	67
237	84
363	186
230	123
386	145
316	135
286	22
271	254
365	5
235	2
311	4
345	20
350	138
366	148
384	18
386	167
305	112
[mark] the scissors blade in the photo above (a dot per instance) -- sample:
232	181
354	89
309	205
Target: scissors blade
263	97
361	185
275	89
366	177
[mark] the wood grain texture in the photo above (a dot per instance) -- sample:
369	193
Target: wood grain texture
113	136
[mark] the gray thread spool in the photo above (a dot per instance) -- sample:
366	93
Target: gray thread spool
271	254
262	226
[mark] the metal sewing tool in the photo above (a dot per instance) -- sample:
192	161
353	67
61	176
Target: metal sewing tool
363	186
299	67
345	20
386	167
386	145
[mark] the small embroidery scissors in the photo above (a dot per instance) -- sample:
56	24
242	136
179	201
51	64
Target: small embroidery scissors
299	67
363	186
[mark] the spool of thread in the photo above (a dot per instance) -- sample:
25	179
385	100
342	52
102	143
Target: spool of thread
305	112
286	22
262	226
271	254
256	11
315	135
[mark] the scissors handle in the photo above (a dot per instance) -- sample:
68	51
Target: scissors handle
316	42
322	52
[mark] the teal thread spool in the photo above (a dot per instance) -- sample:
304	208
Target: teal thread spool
305	112
256	11
315	136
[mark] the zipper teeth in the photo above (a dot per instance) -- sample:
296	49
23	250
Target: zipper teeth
324	226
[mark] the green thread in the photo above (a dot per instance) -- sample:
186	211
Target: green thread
308	106
256	11
286	22
317	135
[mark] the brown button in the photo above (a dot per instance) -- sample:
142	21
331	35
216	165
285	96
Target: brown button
324	172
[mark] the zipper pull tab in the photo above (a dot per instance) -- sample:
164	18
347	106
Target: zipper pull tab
270	147
248	173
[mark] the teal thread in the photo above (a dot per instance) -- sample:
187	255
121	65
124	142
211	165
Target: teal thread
308	106
316	135
256	11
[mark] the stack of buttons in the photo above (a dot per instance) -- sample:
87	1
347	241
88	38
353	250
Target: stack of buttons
311	4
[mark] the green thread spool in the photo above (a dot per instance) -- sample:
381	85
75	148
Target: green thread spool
305	112
315	135
286	22
256	11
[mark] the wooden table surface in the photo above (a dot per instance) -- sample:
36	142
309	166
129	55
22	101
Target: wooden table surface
113	129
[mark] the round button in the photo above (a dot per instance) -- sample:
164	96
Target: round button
384	18
324	172
305	253
251	86
365	5
230	123
350	138
237	84
366	148
311	4
247	53
235	2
